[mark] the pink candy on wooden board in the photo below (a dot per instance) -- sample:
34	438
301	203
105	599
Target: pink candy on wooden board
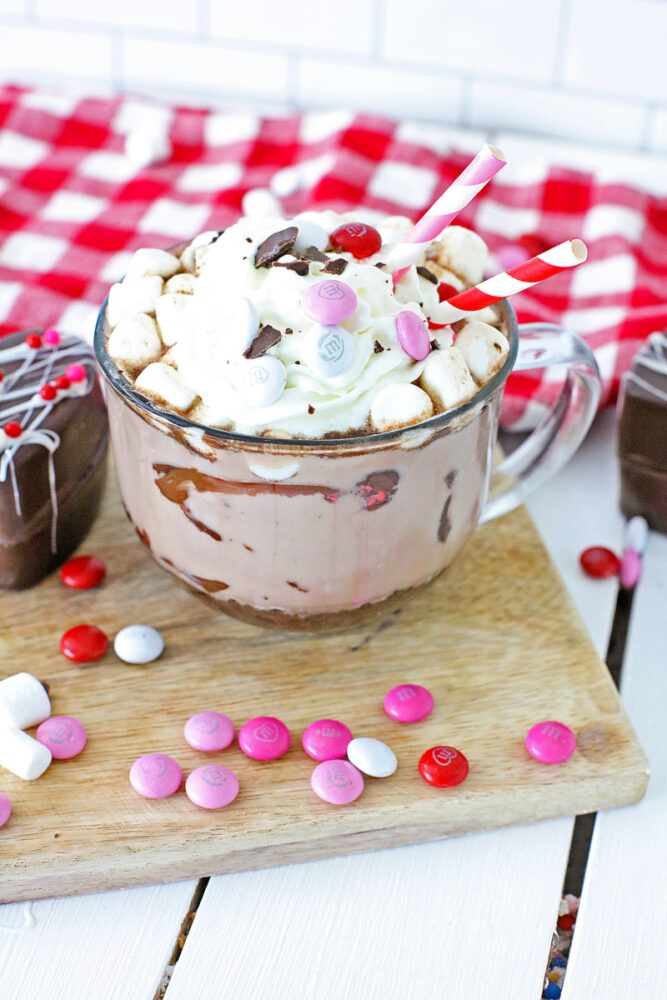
5	808
326	739
550	742
337	782
212	786
264	738
329	302
209	731
63	736
413	335
155	776
408	703
631	568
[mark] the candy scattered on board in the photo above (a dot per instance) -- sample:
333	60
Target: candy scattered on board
83	572
550	742
372	756
209	731
24	701
156	776
337	781
264	738
326	739
212	786
599	562
408	703
84	643
443	766
23	755
138	644
5	809
63	736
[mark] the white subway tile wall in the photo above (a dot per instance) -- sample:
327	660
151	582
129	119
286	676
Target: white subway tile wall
585	70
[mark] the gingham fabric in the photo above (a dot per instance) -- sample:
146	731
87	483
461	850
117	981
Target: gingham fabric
73	208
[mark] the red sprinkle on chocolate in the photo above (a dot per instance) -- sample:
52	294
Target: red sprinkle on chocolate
48	392
34	341
51	337
75	373
84	643
445	291
62	382
356	238
83	572
13	429
600	562
2	375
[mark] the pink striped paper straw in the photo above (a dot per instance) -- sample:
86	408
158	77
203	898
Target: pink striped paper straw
525	275
460	192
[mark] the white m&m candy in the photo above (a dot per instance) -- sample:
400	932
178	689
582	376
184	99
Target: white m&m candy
372	756
332	351
329	302
261	380
138	644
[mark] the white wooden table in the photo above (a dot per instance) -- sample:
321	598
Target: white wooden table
465	918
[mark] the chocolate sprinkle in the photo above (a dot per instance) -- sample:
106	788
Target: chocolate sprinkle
429	275
445	525
336	266
379	263
288	330
300	266
377	347
435	346
312	253
275	245
311	408
267	337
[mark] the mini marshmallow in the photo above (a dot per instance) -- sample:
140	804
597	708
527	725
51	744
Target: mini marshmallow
184	284
174	317
135	342
463	252
23	701
164	384
446	378
188	256
483	347
142	147
400	405
24	756
129	298
275	473
260	203
146	262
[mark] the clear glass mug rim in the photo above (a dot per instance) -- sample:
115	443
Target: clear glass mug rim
436	423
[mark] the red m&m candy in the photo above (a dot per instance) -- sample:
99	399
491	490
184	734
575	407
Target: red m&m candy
84	643
599	562
443	767
83	572
356	238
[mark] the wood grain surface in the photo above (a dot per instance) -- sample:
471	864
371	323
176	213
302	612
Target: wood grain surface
496	639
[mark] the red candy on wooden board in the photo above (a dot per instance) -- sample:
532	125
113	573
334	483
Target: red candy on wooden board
83	572
443	767
599	562
356	238
84	643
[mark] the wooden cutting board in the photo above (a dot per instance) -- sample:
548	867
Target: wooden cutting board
496	639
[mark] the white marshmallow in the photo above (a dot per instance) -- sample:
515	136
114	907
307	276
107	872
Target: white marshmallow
184	284
463	252
310	235
135	342
129	298
22	755
400	405
446	378
146	261
260	203
174	314
163	383
483	347
275	473
143	147
203	240
23	701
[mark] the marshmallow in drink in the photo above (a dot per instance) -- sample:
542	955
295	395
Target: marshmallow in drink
173	312
163	383
184	283
189	256
463	252
23	701
129	298
147	261
261	380
400	405
447	379
135	342
484	349
23	755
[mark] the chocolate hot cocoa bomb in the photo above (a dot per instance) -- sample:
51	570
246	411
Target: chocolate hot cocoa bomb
53	441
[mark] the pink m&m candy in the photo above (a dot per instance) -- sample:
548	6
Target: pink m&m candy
337	781
326	739
212	786
5	808
63	736
156	776
631	568
550	742
209	731
264	738
408	703
329	302
413	335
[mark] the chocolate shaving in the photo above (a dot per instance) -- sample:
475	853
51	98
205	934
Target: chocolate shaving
377	347
429	275
275	245
267	337
336	266
300	266
435	346
312	253
379	263
288	330
311	408
445	525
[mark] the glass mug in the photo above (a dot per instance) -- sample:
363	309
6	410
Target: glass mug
320	534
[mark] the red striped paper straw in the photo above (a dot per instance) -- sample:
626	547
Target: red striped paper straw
525	275
460	192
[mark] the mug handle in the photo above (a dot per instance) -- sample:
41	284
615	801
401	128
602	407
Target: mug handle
561	431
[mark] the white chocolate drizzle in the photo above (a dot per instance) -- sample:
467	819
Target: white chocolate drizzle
653	356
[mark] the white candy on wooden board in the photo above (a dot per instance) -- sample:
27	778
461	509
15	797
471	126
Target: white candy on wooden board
23	755
23	701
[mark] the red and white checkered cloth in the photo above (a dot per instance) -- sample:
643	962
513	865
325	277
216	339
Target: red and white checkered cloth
73	208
